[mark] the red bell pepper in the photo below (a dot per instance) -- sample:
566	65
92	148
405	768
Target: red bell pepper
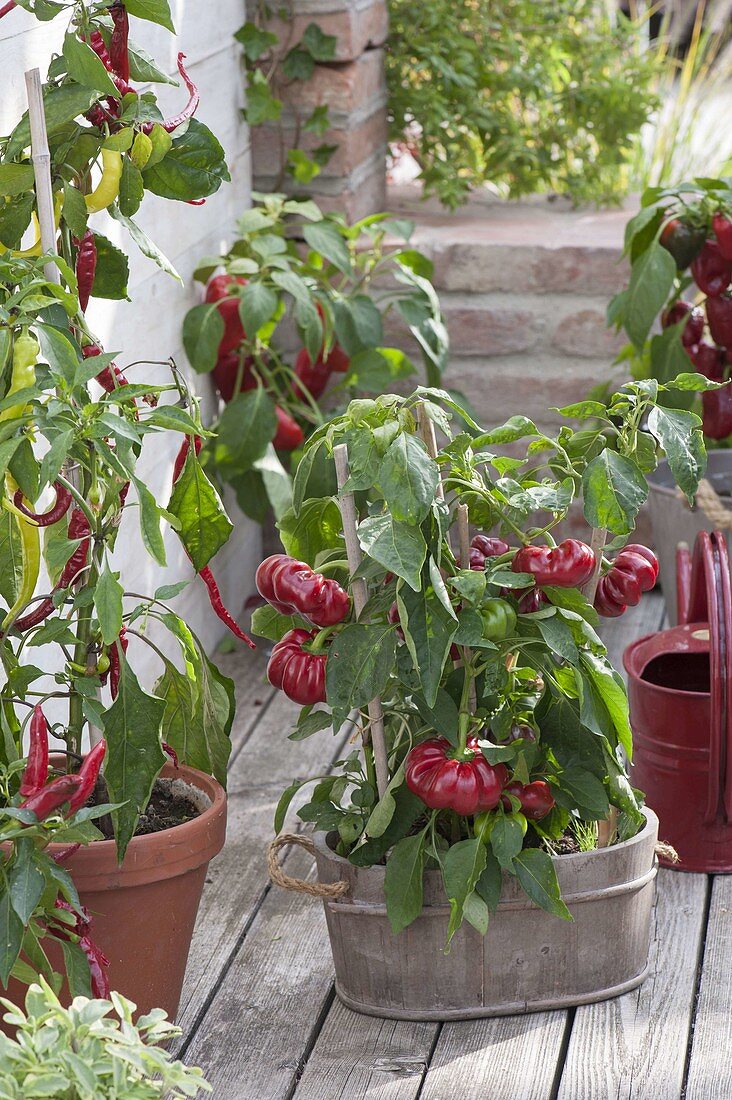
293	588
298	672
568	565
634	571
683	240
717	413
490	547
693	330
445	779
536	798
711	272
532	601
220	289
709	361
722	226
719	316
289	435
226	373
36	769
314	376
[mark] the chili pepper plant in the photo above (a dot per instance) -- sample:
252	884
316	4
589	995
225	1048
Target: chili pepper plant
296	277
506	727
73	428
680	248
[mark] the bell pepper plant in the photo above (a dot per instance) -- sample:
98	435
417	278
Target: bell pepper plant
74	427
679	246
506	726
294	313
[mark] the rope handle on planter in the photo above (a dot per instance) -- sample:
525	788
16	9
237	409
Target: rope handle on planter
710	503
288	882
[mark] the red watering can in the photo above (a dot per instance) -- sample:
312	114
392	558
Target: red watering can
680	689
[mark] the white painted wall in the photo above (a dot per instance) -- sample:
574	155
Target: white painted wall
149	326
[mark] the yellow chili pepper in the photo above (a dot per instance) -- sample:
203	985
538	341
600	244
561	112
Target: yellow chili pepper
107	189
30	543
25	357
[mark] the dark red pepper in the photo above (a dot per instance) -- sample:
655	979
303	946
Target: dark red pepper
88	773
289	435
53	796
170	751
722	226
57	512
97	44
711	272
226	373
219	290
634	571
36	769
118	44
490	547
532	601
719	316
682	240
568	565
717	413
693	330
293	588
709	361
446	780
98	963
115	664
299	673
86	266
78	529
171	124
313	376
536	798
8	7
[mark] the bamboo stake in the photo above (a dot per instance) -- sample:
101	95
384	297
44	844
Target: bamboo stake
427	433
360	597
41	158
464	544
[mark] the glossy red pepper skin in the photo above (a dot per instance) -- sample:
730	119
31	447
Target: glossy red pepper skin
36	769
293	588
536	798
289	435
722	226
634	571
532	601
709	361
682	240
226	373
118	43
86	266
88	773
219	290
57	512
78	529
711	272
115	662
53	796
568	565
490	547
717	413
719	316
693	330
314	376
97	961
171	124
297	672
467	786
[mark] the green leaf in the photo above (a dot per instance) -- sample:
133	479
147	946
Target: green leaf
317	528
11	558
680	435
376	370
143	68
358	323
610	687
257	306
324	237
155	11
11	934
490	884
408	479
204	525
74	211
62	103
85	67
399	547
143	242
535	871
269	623
360	661
150	522
108	604
403	882
15	179
255	41
193	168
131	189
515	428
429	628
651	280
203	331
76	971
320	46
26	881
58	351
112	271
383	811
247	425
507	838
462	866
614	490
134	756
197	715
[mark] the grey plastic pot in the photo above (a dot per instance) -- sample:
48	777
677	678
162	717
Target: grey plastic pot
528	961
673	521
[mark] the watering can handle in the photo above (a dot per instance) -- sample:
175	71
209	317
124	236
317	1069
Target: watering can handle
707	597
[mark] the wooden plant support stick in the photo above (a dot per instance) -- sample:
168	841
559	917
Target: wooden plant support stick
427	433
41	158
597	542
360	596
464	543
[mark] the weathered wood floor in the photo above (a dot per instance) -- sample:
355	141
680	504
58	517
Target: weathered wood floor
259	1013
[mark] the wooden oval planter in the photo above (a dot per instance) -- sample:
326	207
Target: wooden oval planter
528	962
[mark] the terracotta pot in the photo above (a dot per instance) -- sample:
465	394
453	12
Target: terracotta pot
145	910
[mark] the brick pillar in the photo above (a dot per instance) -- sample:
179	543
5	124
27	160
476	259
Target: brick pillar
353	89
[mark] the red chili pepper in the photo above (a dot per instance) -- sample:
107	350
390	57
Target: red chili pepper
60	507
97	44
536	798
7	7
693	330
682	240
709	361
568	565
78	529
86	266
118	44
293	588
65	853
314	376
444	780
170	751
36	769
722	227
297	672
226	373
711	272
289	435
719	316
97	961
717	413
634	571
88	773
171	124
52	796
115	662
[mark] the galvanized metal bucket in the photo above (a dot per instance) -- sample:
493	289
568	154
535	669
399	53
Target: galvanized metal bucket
528	961
680	689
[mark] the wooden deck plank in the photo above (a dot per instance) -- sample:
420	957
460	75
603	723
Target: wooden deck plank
710	1064
634	1047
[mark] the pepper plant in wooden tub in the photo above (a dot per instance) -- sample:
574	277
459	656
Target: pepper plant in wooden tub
147	765
484	850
